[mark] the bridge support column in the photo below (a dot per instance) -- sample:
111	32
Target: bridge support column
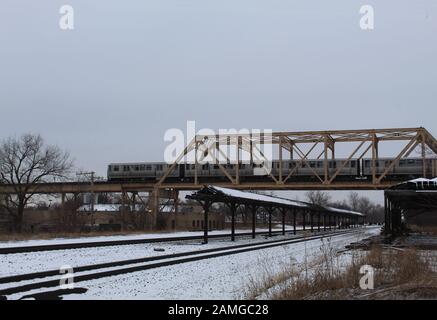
324	222
134	201
154	207
386	215
303	220
270	211
124	202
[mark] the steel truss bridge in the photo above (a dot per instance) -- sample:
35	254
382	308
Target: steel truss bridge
301	147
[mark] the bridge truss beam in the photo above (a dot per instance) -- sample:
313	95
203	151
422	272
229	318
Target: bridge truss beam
303	147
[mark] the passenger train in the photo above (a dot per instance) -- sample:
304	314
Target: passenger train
408	168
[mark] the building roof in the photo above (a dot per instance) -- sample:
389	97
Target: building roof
219	194
417	184
104	208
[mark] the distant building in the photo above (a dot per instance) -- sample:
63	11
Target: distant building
113	217
190	217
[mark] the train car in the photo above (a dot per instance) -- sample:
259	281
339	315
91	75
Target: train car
404	169
350	169
354	169
138	172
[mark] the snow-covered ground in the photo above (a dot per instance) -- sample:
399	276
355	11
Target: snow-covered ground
216	278
20	263
25	243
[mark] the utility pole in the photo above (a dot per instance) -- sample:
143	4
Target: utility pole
91	176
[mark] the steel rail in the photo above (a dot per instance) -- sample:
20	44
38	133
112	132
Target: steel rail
186	257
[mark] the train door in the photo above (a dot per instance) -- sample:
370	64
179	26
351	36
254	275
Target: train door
358	164
182	171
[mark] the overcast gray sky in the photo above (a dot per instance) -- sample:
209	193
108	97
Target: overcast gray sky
108	90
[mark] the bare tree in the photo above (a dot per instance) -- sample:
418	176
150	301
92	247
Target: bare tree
24	163
318	197
354	201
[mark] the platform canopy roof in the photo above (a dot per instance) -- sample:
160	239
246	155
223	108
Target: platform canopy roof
417	184
226	195
416	194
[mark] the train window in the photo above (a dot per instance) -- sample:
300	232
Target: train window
126	168
411	161
159	167
142	167
353	163
216	166
205	167
194	223
137	168
115	168
149	168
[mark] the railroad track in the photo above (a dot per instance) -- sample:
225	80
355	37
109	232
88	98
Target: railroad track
97	271
68	246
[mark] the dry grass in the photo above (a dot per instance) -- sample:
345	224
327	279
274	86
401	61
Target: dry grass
399	274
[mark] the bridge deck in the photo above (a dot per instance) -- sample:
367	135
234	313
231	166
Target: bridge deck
103	187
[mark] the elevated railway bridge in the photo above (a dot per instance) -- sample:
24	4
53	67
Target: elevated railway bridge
300	147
